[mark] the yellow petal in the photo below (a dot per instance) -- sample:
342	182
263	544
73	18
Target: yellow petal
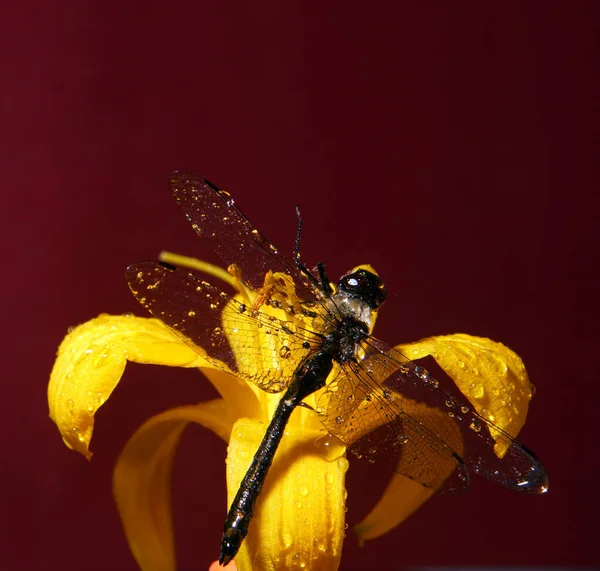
142	479
401	498
299	521
91	360
243	399
489	374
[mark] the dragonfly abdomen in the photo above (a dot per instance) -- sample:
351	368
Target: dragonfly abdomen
309	377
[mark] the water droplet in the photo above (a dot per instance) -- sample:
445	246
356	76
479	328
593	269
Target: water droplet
90	407
299	561
191	313
464	409
285	352
304	491
402	439
338	419
343	465
461	364
71	329
213	306
475	426
226	197
477	390
241	308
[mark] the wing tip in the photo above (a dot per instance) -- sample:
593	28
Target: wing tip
180	178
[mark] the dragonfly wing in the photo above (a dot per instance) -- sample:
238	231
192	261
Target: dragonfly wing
222	225
411	404
258	347
380	424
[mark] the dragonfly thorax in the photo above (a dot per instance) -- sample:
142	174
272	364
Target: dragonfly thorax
342	342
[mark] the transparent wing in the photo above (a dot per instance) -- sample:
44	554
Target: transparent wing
398	408
382	425
256	346
223	226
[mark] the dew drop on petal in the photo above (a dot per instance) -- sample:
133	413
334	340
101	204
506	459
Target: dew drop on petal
478	390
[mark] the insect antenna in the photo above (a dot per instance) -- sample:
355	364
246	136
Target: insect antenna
299	264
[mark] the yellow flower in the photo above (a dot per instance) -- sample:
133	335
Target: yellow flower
300	516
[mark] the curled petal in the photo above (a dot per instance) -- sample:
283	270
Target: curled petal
90	363
300	515
243	399
489	374
401	498
142	479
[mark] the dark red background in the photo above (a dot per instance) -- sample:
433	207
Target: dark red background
449	144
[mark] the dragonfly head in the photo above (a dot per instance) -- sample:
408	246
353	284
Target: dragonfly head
364	285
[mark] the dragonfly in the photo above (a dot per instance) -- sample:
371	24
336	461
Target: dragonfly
373	399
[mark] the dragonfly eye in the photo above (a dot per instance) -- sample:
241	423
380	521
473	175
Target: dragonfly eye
365	286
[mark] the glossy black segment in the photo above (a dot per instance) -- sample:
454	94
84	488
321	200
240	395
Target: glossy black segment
364	285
